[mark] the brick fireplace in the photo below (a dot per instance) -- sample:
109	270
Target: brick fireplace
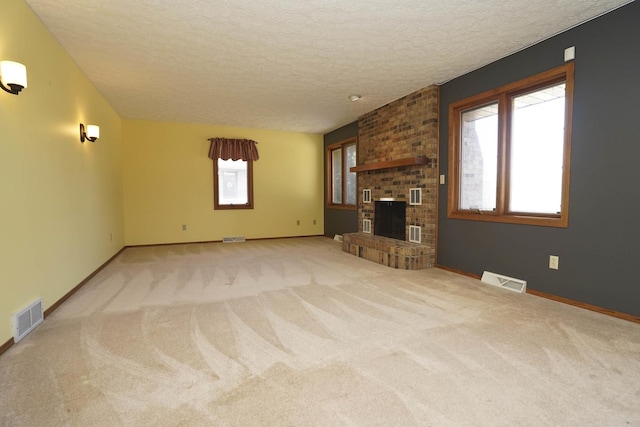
398	151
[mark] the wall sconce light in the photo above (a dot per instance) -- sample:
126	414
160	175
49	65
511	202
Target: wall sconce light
91	133
355	98
13	76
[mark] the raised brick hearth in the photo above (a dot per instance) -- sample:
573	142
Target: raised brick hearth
390	252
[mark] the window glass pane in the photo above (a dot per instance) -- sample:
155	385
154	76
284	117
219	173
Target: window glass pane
479	158
350	161
336	176
232	182
537	141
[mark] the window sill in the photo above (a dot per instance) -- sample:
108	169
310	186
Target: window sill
559	222
232	207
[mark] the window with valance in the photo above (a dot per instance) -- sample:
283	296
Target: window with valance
233	172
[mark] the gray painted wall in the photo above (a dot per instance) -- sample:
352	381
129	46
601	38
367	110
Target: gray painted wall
339	221
599	254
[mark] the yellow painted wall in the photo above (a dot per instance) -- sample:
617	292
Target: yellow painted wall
168	182
61	213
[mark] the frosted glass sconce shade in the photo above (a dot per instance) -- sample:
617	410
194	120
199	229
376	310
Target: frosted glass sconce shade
13	76
91	133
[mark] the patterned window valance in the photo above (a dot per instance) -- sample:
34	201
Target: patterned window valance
234	149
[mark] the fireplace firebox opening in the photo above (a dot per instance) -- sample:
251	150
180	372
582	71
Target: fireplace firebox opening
390	219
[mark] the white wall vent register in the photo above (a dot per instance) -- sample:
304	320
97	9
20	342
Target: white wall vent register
27	319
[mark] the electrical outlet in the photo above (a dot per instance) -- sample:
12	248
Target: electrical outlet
184	227
442	179
553	262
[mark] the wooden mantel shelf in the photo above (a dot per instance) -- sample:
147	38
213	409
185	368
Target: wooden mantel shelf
410	161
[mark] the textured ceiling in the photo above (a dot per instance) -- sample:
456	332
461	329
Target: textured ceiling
290	64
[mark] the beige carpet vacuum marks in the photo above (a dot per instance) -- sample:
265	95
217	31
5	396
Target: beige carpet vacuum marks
295	332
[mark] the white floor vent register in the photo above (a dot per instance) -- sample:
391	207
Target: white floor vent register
506	282
234	239
27	319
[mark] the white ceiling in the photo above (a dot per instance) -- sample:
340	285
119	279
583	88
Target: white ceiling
290	64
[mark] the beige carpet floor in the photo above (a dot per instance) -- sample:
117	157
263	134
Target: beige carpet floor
294	332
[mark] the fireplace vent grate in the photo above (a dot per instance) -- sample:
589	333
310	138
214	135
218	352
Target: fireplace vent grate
415	196
414	234
366	195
